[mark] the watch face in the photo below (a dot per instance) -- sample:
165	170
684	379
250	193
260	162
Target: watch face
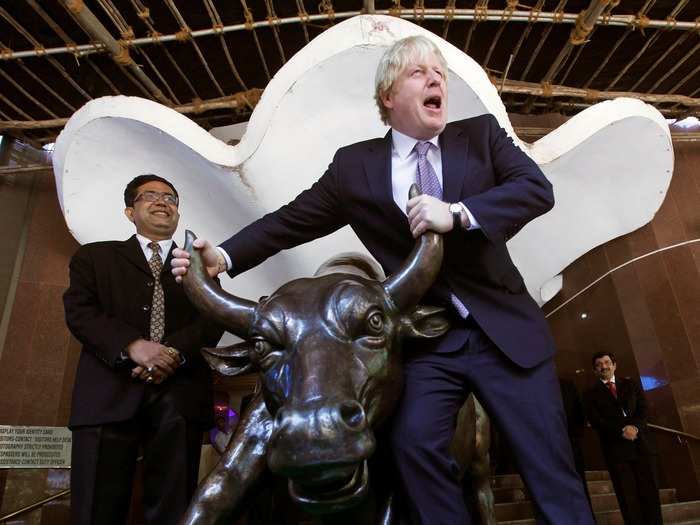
455	208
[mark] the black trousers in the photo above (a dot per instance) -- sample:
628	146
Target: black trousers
104	461
637	491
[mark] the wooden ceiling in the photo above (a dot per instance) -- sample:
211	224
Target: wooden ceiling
211	59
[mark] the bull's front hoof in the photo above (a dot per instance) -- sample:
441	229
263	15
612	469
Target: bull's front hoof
319	500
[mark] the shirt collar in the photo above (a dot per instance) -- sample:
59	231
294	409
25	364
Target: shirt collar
164	245
612	380
403	144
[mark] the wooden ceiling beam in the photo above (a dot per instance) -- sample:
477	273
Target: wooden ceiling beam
120	52
248	99
243	100
489	15
585	22
592	95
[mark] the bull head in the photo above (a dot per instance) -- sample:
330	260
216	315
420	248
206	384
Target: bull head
328	351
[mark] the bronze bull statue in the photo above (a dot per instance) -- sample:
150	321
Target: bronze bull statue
327	350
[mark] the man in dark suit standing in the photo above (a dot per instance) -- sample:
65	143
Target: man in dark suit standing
141	386
617	410
479	190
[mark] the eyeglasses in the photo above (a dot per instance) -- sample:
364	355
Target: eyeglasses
155	196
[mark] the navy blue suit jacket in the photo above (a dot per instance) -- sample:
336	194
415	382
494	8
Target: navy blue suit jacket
502	187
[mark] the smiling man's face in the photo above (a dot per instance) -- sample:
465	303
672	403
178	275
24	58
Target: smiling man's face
154	220
417	102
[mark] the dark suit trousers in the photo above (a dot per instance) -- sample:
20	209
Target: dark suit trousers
104	461
637	491
526	406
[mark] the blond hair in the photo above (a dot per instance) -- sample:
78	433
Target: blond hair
394	61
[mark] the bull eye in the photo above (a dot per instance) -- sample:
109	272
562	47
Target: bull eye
264	354
262	348
375	323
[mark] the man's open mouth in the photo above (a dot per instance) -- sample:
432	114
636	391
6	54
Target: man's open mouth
434	102
334	497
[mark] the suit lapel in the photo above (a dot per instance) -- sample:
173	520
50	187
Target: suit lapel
132	252
377	164
605	392
623	394
453	148
166	263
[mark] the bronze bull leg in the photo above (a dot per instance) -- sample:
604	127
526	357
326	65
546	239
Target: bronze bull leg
480	468
233	481
470	448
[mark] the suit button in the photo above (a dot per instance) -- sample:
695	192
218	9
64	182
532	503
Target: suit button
145	308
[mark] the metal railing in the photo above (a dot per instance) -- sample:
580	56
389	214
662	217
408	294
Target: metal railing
677	433
34	505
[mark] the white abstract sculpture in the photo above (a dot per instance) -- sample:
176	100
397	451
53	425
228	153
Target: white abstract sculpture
610	165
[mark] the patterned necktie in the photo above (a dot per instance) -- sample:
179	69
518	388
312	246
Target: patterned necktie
158	305
613	389
430	185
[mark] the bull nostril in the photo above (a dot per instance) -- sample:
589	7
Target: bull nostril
352	414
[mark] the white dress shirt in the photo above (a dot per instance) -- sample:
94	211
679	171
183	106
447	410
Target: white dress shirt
148	253
404	172
404	169
611	380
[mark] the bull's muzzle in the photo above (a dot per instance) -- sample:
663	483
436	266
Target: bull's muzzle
322	449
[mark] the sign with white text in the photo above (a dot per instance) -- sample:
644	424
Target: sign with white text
34	447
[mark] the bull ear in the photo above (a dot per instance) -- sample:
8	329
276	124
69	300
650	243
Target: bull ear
231	360
424	322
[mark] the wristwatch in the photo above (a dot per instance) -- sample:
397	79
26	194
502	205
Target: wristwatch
456	211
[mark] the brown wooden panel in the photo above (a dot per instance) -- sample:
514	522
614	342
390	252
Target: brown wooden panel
686	188
668	325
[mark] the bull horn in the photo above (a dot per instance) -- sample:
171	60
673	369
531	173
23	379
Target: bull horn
231	312
407	285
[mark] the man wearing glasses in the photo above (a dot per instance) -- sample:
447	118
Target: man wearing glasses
142	387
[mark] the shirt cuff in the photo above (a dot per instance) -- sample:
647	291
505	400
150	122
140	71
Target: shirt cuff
473	223
229	265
